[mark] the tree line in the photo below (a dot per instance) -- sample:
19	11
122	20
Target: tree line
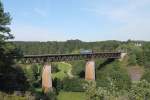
69	46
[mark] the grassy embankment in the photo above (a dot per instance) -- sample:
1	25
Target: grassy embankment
71	96
64	71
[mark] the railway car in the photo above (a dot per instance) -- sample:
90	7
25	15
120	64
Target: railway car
86	51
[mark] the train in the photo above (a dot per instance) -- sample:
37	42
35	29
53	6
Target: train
82	51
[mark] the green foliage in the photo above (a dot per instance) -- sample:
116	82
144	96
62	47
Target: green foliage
70	46
58	85
132	59
33	74
71	96
146	75
4	96
4	21
91	91
39	95
50	96
29	74
100	93
37	73
115	73
73	85
7	49
78	68
11	78
64	70
140	91
146	54
135	54
139	55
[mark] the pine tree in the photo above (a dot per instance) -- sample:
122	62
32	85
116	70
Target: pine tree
7	49
5	20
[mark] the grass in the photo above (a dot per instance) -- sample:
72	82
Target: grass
38	90
64	69
71	96
5	96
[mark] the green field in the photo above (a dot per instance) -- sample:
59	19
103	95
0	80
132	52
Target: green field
64	68
71	96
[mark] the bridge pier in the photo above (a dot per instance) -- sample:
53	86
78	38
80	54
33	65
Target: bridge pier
46	78
90	70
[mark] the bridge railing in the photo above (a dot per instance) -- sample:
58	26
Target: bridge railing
68	57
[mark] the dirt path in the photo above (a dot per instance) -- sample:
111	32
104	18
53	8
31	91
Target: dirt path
135	72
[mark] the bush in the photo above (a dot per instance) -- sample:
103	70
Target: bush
140	91
51	95
146	75
33	75
146	54
115	73
73	85
78	68
30	76
5	96
132	59
100	93
57	84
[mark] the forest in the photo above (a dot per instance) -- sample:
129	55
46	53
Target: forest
128	79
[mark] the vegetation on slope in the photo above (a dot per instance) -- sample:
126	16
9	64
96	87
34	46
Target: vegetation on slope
71	96
64	70
112	79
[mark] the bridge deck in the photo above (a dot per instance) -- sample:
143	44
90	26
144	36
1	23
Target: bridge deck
68	57
47	55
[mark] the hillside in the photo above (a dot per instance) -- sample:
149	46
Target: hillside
112	75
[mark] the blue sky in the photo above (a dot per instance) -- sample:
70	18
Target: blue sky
87	20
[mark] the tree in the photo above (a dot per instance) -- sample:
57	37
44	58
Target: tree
11	78
146	75
7	50
146	54
140	91
5	20
132	59
74	84
101	93
115	73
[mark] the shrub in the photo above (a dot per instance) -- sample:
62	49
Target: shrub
146	75
146	54
140	91
78	68
5	96
57	84
100	93
132	59
74	85
115	73
49	96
